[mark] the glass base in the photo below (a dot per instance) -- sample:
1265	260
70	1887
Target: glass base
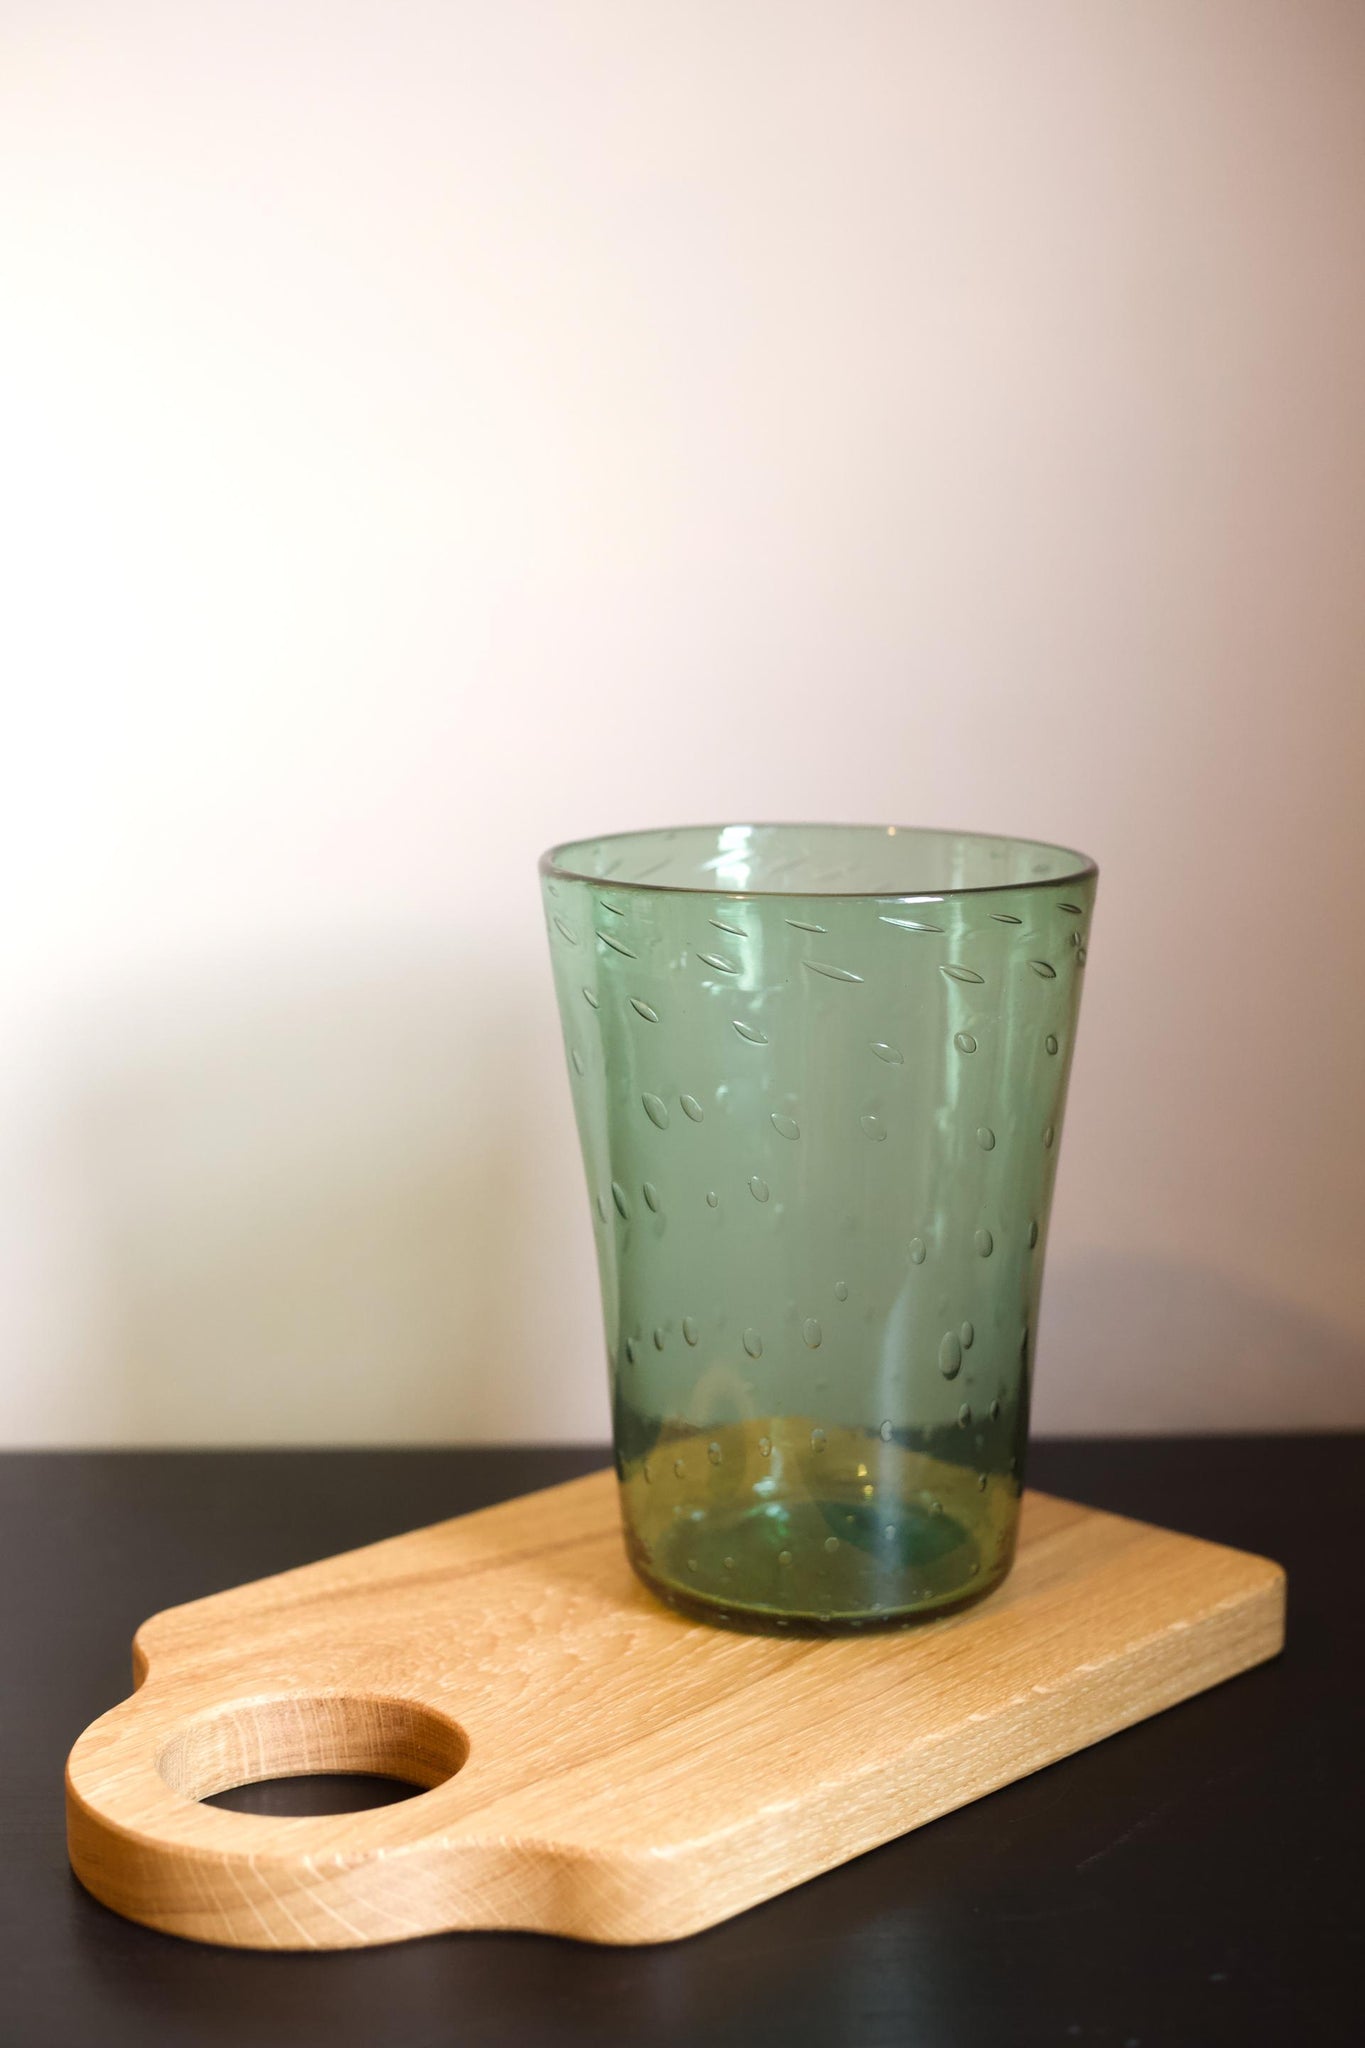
785	1526
767	1621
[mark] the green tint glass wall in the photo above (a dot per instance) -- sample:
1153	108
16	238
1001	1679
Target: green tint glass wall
819	1074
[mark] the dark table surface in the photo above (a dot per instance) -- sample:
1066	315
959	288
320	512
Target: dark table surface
1192	1882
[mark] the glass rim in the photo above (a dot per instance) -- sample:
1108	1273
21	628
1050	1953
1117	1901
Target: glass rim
552	865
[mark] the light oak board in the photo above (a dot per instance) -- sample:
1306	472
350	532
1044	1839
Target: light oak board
598	1765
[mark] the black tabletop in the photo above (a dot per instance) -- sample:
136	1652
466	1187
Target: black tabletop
1192	1882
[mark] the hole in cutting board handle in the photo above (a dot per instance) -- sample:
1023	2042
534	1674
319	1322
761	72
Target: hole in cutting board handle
310	1798
298	1736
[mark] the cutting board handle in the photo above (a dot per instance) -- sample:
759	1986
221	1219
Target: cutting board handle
136	1780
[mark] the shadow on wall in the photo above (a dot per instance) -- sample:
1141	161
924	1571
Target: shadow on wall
304	1194
1129	1345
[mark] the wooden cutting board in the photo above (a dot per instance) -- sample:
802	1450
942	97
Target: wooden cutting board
597	1765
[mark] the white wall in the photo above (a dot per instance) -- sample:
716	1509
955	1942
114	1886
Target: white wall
434	430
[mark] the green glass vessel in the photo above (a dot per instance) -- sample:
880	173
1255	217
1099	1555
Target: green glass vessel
819	1074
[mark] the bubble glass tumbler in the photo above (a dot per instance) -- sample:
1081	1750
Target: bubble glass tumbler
819	1074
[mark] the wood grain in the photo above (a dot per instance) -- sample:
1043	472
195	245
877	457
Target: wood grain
598	1765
